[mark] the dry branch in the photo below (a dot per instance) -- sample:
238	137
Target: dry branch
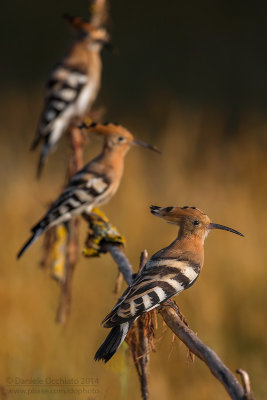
49	239
246	384
117	253
72	255
75	163
210	358
140	339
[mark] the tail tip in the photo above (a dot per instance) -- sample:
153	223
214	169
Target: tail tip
40	167
35	235
19	254
103	357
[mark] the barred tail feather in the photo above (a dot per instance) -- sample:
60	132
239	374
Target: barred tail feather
112	342
29	242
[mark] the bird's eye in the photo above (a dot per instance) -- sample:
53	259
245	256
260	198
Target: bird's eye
120	139
196	222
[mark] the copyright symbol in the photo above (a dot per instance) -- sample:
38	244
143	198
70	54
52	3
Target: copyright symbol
9	380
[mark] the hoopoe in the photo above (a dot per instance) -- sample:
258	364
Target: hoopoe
167	273
95	183
72	86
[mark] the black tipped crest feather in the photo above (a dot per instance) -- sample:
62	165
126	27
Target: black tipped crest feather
154	209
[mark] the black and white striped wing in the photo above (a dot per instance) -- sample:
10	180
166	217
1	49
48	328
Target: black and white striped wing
79	196
62	91
158	282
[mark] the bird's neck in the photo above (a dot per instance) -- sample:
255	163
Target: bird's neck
113	154
113	160
82	53
189	247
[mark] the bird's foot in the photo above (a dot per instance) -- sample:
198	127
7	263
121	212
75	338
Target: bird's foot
174	306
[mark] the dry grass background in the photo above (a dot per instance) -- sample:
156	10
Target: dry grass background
227	305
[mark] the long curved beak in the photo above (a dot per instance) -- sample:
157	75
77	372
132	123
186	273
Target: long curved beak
224	228
144	144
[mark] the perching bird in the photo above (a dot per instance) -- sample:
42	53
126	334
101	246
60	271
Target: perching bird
72	86
95	183
167	273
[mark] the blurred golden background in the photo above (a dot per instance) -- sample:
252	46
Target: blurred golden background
190	79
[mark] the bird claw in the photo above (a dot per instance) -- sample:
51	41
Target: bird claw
170	303
174	306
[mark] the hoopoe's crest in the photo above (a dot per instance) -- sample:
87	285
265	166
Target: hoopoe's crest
191	220
115	136
72	86
167	273
95	184
87	31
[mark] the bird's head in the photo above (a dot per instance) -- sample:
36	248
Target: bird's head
95	36
116	137
191	220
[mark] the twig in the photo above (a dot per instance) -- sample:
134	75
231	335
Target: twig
175	322
121	260
246	384
72	255
138	340
49	239
118	284
144	338
76	146
145	331
143	260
